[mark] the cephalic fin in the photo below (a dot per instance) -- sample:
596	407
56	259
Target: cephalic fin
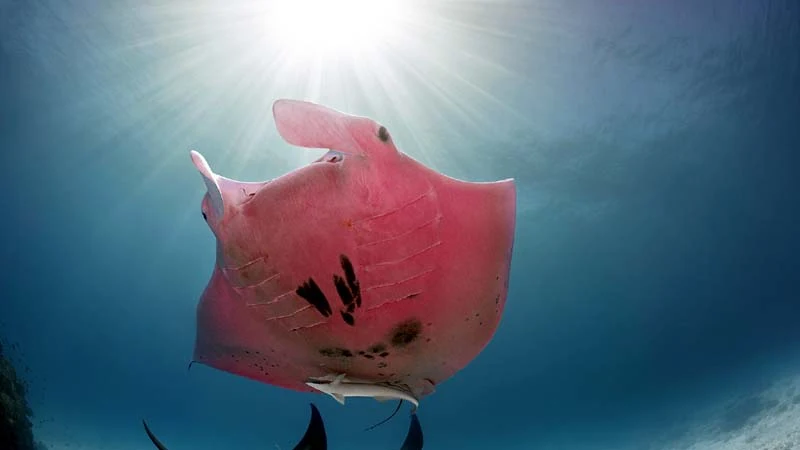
211	181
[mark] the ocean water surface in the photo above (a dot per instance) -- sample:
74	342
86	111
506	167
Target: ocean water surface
654	298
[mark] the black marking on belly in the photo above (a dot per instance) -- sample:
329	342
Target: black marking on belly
343	291
311	292
350	276
406	332
348	289
378	348
348	318
335	352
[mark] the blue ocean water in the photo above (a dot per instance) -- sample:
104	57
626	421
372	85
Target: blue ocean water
654	297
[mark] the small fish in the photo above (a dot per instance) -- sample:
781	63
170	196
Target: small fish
342	387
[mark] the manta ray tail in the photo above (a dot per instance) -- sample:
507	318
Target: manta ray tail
399	404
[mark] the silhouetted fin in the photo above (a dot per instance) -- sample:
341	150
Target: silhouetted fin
315	437
153	437
414	437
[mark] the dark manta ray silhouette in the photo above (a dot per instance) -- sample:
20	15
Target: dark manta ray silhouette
316	439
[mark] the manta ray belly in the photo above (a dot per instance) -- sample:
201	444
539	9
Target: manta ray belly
381	269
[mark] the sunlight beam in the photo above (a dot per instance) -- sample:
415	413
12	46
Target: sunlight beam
331	29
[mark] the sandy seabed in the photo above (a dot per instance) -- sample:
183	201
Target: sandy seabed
765	419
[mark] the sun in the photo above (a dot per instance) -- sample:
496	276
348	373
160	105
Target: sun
333	28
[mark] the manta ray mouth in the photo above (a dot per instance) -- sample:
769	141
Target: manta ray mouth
331	157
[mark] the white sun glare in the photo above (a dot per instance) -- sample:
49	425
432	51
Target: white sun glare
333	28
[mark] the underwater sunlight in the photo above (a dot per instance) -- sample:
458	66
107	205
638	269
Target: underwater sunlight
331	29
415	224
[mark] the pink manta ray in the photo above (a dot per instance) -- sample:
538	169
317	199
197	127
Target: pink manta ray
364	263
